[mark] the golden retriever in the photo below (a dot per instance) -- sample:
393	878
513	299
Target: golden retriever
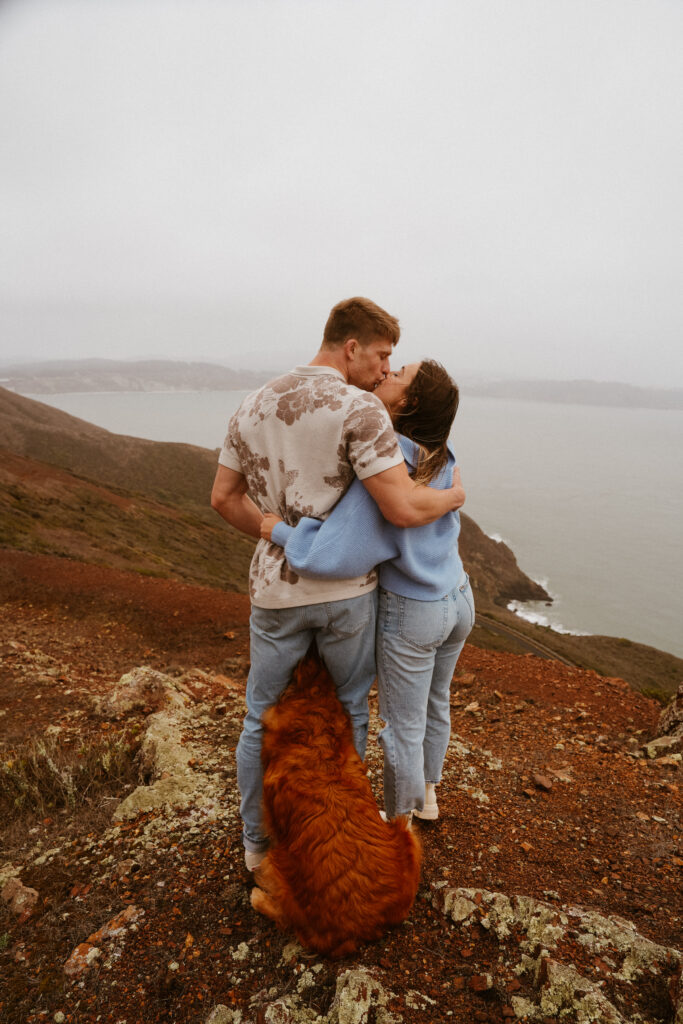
336	874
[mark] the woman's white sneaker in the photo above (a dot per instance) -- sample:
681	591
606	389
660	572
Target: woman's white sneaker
409	816
430	811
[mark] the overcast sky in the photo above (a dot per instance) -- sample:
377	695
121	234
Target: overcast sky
204	180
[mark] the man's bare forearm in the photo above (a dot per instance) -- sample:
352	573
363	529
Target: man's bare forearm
243	515
428	502
405	503
230	499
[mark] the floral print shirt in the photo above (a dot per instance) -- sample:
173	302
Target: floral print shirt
300	440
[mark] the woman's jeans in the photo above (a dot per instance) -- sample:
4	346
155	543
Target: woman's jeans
345	635
418	645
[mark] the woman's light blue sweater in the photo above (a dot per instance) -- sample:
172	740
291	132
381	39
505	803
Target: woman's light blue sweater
420	562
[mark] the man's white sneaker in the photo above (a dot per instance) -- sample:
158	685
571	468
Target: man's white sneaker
430	811
252	860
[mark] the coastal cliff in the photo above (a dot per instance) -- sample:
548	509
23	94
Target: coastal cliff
72	489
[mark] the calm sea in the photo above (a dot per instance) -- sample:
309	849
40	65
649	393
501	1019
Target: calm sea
590	499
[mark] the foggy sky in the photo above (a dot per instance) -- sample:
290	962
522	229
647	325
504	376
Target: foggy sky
204	180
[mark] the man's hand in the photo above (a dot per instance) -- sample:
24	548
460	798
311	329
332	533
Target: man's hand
457	489
267	523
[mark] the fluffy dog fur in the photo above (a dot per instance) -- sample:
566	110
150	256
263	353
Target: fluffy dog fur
335	874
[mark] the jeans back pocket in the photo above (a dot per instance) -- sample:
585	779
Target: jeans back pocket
423	623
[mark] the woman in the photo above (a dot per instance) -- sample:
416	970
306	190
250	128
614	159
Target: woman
426	609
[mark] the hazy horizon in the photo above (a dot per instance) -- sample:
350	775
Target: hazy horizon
472	378
203	181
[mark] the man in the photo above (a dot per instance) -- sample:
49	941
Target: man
295	446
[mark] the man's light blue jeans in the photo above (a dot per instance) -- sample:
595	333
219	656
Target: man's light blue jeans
418	645
280	637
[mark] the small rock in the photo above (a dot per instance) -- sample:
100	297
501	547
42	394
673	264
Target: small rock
524	1008
21	899
529	793
665	744
290	953
481	982
221	1015
124	867
83	957
117	925
542	782
671	760
527	847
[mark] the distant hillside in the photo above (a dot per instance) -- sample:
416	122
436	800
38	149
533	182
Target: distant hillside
88	375
73	489
72	375
141	482
171	472
581	392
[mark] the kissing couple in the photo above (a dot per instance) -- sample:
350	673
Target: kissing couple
343	470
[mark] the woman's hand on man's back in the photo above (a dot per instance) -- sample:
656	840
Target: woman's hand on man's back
267	523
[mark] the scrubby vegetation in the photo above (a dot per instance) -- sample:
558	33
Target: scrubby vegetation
45	773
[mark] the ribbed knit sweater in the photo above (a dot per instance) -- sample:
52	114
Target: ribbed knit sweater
420	562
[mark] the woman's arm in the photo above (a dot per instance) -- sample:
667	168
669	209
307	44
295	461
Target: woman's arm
350	542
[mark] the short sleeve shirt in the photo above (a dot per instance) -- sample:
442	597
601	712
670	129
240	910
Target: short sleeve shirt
299	441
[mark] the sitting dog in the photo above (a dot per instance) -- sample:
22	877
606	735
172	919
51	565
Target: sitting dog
336	874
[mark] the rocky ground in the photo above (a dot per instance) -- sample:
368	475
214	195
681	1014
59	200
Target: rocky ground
551	883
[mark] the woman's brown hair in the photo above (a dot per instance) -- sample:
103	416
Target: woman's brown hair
427	417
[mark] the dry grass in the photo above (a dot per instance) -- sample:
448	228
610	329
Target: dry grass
43	773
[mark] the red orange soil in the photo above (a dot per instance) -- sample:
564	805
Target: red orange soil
606	835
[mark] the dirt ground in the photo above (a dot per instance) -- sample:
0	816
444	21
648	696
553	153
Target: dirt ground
546	794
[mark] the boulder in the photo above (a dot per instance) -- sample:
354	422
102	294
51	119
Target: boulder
142	687
359	998
671	718
170	761
536	935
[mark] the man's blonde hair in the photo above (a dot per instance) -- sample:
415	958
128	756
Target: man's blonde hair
361	319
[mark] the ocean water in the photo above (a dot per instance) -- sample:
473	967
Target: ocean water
590	499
